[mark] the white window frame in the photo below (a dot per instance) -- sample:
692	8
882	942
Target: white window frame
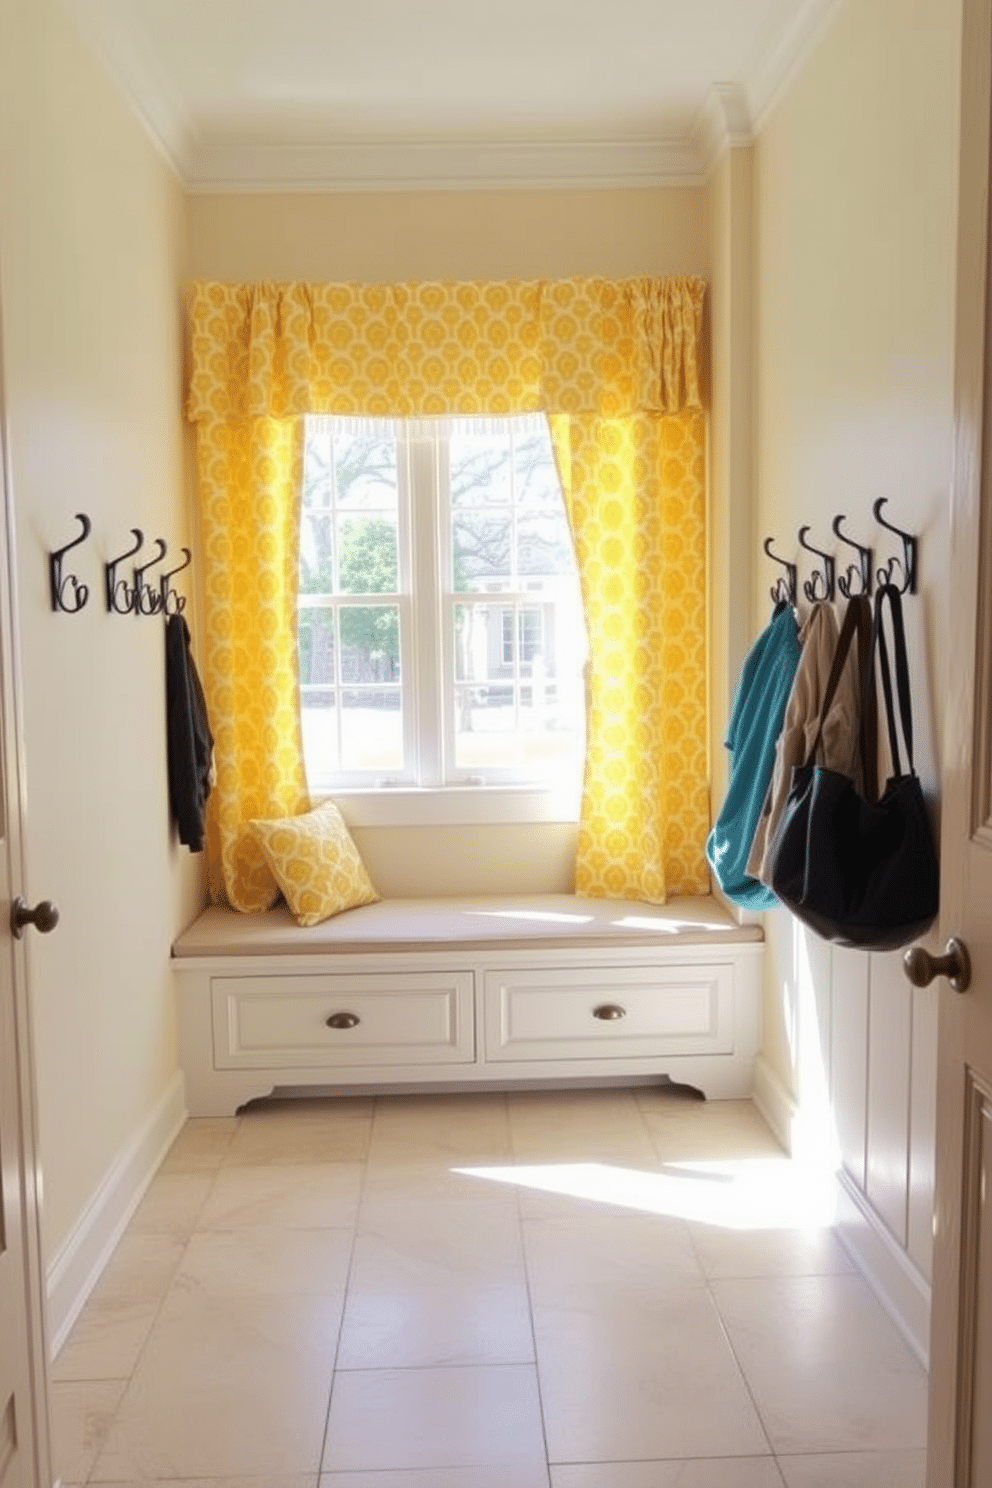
430	790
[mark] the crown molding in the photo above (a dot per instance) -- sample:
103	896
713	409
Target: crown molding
733	115
773	75
723	123
432	165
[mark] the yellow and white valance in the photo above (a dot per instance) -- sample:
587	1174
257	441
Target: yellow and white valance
572	346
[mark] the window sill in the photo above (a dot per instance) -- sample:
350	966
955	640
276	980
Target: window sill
474	805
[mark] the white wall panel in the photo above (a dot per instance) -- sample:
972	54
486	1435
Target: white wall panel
849	1059
813	979
922	1121
890	1009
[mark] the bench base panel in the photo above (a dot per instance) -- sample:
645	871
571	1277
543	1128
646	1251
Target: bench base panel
468	1019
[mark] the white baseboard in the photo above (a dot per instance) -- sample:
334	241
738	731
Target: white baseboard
75	1270
775	1102
897	1282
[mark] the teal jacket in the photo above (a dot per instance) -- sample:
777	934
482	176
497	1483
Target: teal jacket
755	724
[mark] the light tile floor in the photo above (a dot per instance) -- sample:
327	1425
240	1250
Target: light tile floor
595	1289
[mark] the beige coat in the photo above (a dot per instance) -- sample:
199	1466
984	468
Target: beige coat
818	639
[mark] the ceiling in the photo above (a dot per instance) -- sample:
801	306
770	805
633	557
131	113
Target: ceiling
323	94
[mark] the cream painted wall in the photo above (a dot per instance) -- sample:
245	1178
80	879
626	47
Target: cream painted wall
512	858
856	225
379	238
92	254
454	235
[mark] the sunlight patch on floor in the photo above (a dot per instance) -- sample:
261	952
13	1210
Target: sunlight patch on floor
746	1194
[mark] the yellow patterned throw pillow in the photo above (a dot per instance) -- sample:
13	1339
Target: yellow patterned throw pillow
315	863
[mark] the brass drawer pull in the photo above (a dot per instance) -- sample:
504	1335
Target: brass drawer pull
343	1020
609	1011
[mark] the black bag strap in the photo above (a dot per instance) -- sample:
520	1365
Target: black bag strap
857	621
890	593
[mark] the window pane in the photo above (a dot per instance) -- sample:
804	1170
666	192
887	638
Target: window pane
319	720
544	546
317	552
482	551
535	473
531	640
479	643
528	731
316	641
519	693
481	468
507	637
317	467
368	556
370	643
372	729
365	471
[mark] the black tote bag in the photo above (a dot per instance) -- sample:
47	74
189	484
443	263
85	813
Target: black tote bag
860	872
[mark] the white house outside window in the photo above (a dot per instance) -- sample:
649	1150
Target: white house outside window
441	638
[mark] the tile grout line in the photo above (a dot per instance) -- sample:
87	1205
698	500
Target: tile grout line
347	1287
707	1281
772	1452
530	1296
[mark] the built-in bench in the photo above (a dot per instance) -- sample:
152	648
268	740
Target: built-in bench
409	993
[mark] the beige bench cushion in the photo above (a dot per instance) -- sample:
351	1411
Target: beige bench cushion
551	920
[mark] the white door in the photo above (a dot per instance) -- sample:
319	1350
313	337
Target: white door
24	1447
960	1436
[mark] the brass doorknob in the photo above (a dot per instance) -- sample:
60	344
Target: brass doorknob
954	964
44	916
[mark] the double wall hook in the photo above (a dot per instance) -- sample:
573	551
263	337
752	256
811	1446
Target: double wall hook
907	563
148	601
820	585
173	603
784	590
61	583
140	597
120	599
846	585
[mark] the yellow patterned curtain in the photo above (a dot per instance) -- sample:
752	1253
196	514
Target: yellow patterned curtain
615	366
250	476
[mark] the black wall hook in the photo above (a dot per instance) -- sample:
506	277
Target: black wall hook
784	590
907	563
148	601
863	570
120	599
819	586
61	583
171	602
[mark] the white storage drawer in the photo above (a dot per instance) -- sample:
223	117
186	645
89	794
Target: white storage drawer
281	1022
608	1012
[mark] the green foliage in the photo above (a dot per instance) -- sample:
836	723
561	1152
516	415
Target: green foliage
363	468
368	566
368	556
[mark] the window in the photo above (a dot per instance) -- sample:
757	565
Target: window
441	638
529	637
